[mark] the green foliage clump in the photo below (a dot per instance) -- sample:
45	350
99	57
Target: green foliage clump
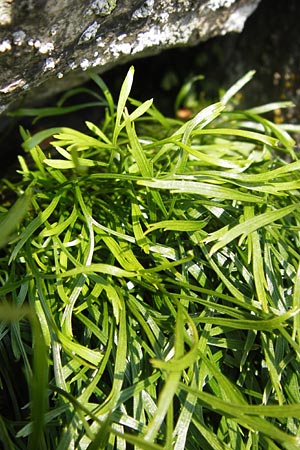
150	283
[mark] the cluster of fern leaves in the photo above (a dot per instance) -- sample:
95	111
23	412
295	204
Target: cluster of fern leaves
150	282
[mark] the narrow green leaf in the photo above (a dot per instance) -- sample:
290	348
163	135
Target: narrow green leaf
33	226
296	304
91	357
140	238
81	163
177	225
256	423
10	220
249	226
272	366
39	385
137	150
123	97
174	368
258	324
103	86
141	110
260	177
257	262
107	269
5	436
96	130
271	107
39	113
204	189
249	135
203	118
236	87
185	90
57	229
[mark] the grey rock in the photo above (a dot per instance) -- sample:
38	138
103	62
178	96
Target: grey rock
46	46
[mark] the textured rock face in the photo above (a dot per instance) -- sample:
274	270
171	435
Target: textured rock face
50	43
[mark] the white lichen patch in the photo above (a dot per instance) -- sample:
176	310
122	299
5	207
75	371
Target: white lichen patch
185	4
122	36
5	12
143	11
101	7
164	17
19	37
97	62
150	38
216	4
123	48
100	42
167	36
89	33
5	46
53	30
12	86
85	64
46	48
49	64
36	44
73	65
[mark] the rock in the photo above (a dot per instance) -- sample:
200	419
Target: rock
46	46
273	51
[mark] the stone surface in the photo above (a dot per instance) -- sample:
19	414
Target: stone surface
46	46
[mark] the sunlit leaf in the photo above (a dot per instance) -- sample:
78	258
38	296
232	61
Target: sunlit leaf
10	220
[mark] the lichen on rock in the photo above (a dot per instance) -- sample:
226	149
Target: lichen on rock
102	7
45	41
5	12
216	4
